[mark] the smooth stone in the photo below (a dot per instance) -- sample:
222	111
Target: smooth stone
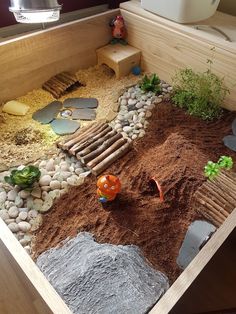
48	113
65	174
38	203
32	214
64	127
15	108
158	100
102	278
50	165
24	194
3	197
13	212
64	184
141	134
148	114
48	202
55	193
71	169
36	192
139	125
135	118
54	185
75	180
132	101
134	136
142	114
44	195
45	180
10	220
45	188
123	102
140	105
28	249
13	227
18	220
19	201
42	164
127	129
4	214
118	126
23	215
29	202
234	127
23	242
23	210
230	142
24	226
11	195
78	171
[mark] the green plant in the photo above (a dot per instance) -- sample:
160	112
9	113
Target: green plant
211	170
201	94
24	178
151	84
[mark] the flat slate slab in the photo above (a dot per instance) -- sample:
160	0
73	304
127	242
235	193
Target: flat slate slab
81	103
64	126
84	114
197	233
230	142
234	127
48	113
102	278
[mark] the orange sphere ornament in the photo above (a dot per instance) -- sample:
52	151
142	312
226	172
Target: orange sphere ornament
108	188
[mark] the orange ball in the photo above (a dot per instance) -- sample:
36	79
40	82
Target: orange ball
109	185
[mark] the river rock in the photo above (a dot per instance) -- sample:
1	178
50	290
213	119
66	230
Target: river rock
38	203
3	197
13	212
54	185
24	226
50	165
23	215
24	194
132	101
36	192
48	202
102	278
11	195
4	214
127	129
45	180
13	227
19	201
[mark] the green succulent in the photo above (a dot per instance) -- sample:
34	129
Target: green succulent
151	84
24	178
211	170
226	162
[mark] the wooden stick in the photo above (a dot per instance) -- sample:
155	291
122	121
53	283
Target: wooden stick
215	220
204	200
111	158
87	141
82	137
97	143
52	91
101	152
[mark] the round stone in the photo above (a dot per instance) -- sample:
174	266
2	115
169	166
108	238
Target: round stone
32	214
124	102
134	136
135	118
140	105
141	134
142	114
47	204
118	126
19	201
13	212
55	185
38	203
45	180
75	180
4	214
78	171
3	197
24	226
23	242
11	195
132	101
24	194
50	165
148	114
23	215
28	249
64	166
127	129
13	227
64	184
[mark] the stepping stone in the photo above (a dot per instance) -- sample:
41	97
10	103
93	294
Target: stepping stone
234	127
48	113
102	278
230	142
81	103
16	108
84	114
64	126
198	232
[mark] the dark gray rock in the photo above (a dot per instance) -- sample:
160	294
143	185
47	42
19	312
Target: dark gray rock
234	127
102	278
81	103
64	126
48	113
230	142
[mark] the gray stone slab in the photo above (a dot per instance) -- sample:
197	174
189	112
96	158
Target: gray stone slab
230	142
64	126
81	103
234	127
102	278
197	233
84	114
48	113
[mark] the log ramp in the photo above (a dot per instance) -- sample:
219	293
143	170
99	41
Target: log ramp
96	146
216	199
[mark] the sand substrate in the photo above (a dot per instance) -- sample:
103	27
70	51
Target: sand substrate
175	150
98	82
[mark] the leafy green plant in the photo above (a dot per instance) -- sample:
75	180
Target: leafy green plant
151	84
211	170
201	94
24	178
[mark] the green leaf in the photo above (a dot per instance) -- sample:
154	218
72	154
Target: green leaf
24	178
226	162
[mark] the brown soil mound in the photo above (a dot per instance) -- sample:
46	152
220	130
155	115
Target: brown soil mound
175	150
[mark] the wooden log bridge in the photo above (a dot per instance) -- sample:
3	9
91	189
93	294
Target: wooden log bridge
216	199
96	146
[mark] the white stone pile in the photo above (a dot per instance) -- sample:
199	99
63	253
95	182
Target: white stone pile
21	209
135	109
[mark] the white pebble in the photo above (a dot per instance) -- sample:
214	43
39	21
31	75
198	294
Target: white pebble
27	249
32	214
13	212
50	165
42	164
45	180
127	129
72	169
23	215
24	226
38	203
118	126
64	167
55	185
78	171
36	192
46	188
23	242
19	201
24	194
141	134
13	227
3	197
142	114
134	136
4	214
11	195
123	102
10	220
132	101
148	114
64	184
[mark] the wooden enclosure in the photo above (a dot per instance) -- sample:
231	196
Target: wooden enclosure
28	61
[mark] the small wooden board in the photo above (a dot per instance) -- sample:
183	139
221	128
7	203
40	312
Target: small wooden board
81	103
83	114
96	146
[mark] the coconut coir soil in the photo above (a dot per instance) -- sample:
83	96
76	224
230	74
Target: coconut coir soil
174	151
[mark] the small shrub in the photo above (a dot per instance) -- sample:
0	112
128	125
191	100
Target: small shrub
201	94
151	84
24	178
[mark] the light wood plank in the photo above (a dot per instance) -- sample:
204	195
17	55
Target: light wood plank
30	60
24	289
166	49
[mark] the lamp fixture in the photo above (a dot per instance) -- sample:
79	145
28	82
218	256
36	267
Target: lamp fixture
35	11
